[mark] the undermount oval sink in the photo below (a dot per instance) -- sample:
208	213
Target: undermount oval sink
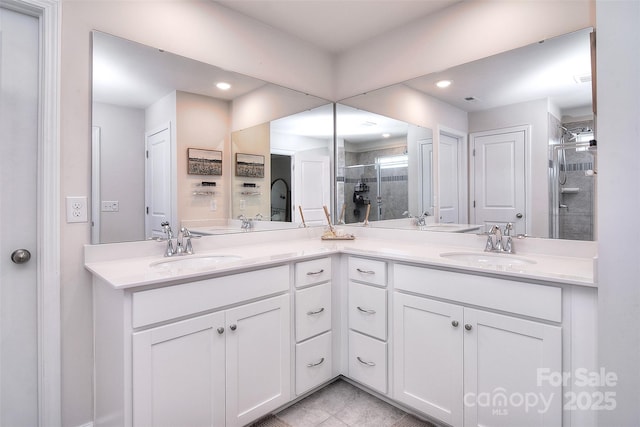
193	262
488	258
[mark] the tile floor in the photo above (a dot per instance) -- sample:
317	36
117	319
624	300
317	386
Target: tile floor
341	404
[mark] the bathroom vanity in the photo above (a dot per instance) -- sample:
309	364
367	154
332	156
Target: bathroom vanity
254	321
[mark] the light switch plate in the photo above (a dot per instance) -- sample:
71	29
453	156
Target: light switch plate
76	209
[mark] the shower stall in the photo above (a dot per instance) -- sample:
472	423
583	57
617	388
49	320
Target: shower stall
572	181
379	187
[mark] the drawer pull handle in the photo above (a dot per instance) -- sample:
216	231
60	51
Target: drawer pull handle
314	273
365	362
365	271
311	313
233	327
311	365
364	310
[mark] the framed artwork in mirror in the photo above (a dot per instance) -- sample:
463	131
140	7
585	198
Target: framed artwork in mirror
250	165
204	162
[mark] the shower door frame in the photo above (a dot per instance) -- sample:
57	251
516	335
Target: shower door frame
554	185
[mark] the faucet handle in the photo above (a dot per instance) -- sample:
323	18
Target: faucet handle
508	228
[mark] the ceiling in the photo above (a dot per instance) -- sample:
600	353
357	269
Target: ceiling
333	25
130	74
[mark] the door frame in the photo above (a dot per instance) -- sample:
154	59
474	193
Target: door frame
527	169
48	199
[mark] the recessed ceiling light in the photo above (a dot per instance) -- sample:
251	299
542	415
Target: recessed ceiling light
223	86
386	135
443	83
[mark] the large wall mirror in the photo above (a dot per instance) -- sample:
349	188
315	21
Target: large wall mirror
168	144
508	138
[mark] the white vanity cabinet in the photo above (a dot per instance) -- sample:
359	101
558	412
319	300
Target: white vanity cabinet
193	353
313	315
468	366
367	322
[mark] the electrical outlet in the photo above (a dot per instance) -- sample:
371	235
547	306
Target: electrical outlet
77	209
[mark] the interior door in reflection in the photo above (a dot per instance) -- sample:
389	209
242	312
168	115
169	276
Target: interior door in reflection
499	179
158	181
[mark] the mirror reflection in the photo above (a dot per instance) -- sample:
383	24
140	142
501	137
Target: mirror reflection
149	108
299	150
503	141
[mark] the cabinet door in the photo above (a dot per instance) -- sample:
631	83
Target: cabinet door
428	356
503	359
179	374
258	359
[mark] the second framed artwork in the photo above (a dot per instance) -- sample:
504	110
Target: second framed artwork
250	165
204	162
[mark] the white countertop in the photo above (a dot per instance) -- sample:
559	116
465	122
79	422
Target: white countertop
111	262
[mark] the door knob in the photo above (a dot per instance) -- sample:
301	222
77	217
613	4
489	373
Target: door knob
20	256
468	327
518	215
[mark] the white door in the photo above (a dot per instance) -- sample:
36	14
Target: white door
427	361
503	358
499	179
158	182
179	374
427	201
449	177
19	127
311	188
258	359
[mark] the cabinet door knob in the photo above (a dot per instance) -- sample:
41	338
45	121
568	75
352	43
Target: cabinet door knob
468	327
220	330
233	327
454	323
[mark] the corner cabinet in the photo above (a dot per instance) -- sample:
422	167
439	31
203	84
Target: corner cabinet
199	355
472	367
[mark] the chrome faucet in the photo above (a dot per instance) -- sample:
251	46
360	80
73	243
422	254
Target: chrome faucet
246	222
181	247
495	238
420	220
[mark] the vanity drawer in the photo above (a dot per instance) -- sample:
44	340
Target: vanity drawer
312	272
368	361
313	311
313	363
368	310
526	299
171	302
368	270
